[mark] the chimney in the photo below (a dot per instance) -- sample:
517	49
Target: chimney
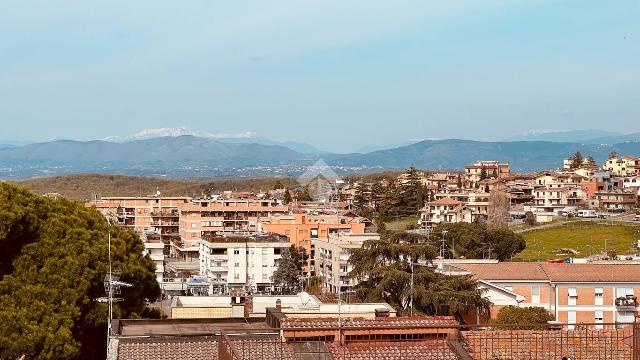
279	304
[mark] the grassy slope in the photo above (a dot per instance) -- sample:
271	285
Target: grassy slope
86	186
585	237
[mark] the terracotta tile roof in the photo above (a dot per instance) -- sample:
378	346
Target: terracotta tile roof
555	272
444	201
593	272
196	348
505	271
549	344
401	350
415	321
272	348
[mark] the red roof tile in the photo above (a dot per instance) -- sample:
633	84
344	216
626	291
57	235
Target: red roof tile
401	350
555	272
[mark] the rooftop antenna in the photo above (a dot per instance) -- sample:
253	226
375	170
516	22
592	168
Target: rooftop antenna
112	285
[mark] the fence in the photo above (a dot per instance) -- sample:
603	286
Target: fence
585	342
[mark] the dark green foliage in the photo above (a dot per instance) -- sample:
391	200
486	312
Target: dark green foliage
383	268
288	275
576	160
403	199
523	316
278	185
55	269
304	195
473	240
287	196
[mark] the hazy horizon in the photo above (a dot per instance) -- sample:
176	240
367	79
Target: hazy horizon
336	75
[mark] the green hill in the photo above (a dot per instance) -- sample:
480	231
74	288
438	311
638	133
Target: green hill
585	237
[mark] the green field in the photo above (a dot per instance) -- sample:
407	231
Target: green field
585	237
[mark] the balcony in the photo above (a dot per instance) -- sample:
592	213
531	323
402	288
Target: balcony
627	301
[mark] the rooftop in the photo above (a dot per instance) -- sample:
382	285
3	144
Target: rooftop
555	272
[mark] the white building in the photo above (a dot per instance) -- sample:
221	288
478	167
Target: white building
241	262
155	252
332	259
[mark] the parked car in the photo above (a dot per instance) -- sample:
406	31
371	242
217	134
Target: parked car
636	218
587	214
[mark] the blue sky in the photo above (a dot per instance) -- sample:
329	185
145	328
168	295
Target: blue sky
336	74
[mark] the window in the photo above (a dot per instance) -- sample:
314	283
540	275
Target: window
535	295
599	296
236	276
193	225
599	319
622	292
236	264
573	296
236	251
314	233
571	319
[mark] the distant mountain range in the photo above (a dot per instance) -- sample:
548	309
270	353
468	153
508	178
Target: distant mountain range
191	156
578	136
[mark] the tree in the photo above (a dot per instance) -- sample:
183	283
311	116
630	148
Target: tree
576	160
278	185
483	174
304	195
383	269
530	218
459	181
314	285
513	315
613	154
474	240
591	161
288	276
403	199
54	268
287	196
361	197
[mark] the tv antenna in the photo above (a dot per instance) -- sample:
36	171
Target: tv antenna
112	286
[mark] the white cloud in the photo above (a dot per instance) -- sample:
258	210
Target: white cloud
177	131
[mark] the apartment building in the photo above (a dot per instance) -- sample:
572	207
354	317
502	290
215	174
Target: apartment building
573	293
557	199
211	217
557	180
623	166
332	259
485	170
617	200
303	229
244	263
158	216
454	207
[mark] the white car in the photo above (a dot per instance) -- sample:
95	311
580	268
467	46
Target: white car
636	218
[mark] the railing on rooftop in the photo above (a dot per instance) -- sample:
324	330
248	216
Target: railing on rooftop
544	342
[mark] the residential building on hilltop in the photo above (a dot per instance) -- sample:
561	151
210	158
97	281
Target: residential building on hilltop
158	216
203	218
332	259
303	229
247	263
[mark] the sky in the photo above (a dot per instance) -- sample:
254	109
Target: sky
339	75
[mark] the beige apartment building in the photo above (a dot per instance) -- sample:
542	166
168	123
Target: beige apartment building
572	293
205	218
303	230
157	216
332	259
623	166
490	169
